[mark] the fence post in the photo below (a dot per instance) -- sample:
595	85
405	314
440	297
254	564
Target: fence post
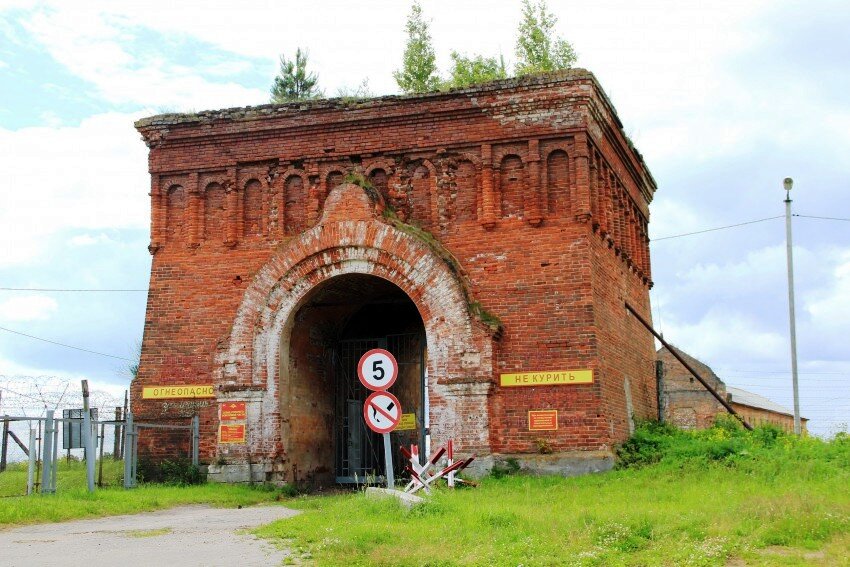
129	481
100	455
116	445
5	444
196	437
31	465
87	438
47	455
135	460
55	460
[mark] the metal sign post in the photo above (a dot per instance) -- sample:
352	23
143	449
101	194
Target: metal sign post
382	412
378	370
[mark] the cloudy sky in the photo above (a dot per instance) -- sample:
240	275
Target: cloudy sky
724	99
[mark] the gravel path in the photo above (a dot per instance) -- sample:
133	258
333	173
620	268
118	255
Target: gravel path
189	535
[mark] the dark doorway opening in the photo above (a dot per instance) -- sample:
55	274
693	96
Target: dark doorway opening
325	436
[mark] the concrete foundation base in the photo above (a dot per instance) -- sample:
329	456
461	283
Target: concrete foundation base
237	473
573	463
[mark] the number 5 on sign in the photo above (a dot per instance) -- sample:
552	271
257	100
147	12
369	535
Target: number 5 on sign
377	369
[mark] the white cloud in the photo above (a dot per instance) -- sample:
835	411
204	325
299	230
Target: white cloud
92	176
91	44
88	239
725	335
829	306
28	308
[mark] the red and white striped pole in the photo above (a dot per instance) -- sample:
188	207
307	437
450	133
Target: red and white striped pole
450	453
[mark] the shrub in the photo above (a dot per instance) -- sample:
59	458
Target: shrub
179	472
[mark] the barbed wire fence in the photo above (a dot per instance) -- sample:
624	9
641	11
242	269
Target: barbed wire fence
33	396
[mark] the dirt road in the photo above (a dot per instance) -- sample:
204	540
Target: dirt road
192	535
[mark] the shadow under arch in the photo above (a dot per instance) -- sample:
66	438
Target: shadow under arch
321	398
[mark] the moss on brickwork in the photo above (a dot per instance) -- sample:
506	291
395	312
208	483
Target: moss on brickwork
475	308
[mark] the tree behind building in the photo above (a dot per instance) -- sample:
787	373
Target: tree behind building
538	49
418	72
293	82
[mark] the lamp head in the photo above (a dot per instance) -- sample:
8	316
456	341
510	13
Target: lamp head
788	183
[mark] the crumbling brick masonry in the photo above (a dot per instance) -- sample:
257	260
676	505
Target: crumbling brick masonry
491	230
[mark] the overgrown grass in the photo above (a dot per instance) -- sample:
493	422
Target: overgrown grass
72	501
703	498
69	476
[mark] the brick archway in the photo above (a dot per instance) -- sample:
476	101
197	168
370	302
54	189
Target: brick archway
353	238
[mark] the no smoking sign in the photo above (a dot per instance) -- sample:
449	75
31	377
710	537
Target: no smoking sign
382	412
377	369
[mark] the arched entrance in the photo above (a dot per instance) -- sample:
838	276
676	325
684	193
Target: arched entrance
321	397
353	256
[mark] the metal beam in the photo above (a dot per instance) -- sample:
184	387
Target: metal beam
690	369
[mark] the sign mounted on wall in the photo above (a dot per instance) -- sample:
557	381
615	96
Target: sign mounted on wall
232	411
377	369
543	420
547	378
233	434
185	391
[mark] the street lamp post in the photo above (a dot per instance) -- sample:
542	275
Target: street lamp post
788	183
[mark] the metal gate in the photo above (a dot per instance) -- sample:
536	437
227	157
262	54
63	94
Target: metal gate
359	453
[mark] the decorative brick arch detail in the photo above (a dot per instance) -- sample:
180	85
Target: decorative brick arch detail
433	198
460	358
388	165
562	146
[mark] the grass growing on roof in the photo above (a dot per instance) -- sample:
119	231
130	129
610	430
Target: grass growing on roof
701	498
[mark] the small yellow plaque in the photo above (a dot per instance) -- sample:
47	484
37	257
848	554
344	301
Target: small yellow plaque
187	391
407	422
548	378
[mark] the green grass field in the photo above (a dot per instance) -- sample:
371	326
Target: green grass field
72	501
721	497
717	497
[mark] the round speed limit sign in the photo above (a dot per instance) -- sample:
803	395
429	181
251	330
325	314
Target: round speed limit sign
377	369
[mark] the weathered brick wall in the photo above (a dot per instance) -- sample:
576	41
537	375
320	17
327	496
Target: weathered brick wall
534	209
759	416
686	403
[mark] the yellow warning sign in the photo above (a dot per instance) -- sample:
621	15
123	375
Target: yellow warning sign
188	391
548	378
407	422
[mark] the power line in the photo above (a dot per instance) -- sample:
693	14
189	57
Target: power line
781	372
59	289
822	218
717	228
64	345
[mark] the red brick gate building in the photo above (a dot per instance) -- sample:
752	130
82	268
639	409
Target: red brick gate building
489	239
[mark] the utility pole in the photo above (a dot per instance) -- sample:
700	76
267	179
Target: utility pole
789	247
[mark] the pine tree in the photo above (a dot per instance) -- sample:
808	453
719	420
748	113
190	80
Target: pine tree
419	67
293	82
538	49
